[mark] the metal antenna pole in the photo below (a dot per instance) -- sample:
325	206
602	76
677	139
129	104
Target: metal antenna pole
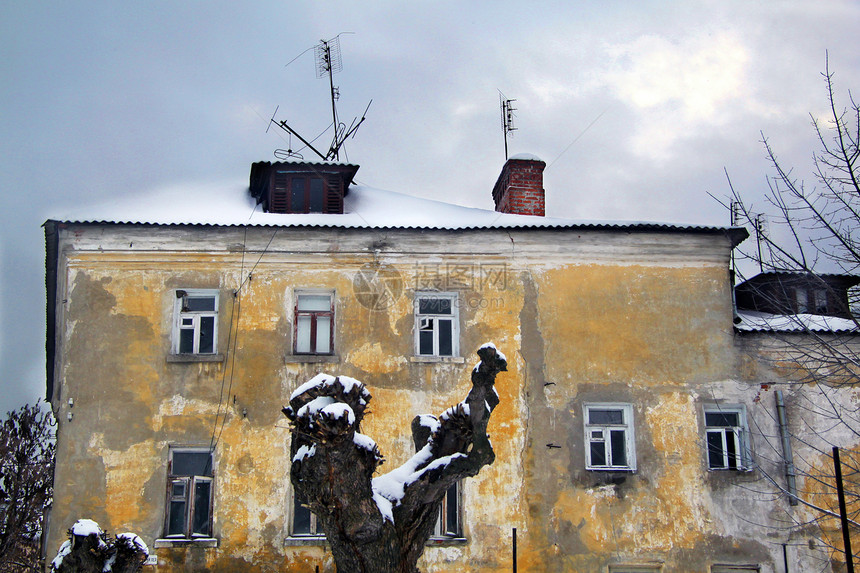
328	64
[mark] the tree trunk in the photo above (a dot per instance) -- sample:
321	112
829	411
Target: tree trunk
381	525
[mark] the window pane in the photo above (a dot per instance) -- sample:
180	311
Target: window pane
721	419
323	341
316	204
199	303
176	519
434	305
314	302
451	513
200	519
715	450
619	447
178	489
598	454
446	338
192	464
732	450
602	417
186	340
303	334
301	517
207	335
297	195
425	342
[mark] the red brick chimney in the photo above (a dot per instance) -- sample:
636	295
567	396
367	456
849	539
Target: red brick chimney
519	188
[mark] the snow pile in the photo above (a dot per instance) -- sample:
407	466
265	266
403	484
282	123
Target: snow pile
305	452
429	421
65	549
499	353
230	204
753	321
389	489
364	442
86	527
326	381
133	540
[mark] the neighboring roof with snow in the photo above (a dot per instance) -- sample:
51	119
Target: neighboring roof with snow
752	321
364	207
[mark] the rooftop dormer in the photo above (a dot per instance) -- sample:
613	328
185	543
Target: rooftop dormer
796	293
301	187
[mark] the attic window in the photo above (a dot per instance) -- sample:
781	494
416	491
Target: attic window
299	193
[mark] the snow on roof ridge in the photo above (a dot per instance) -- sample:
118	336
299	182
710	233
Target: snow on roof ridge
756	321
230	204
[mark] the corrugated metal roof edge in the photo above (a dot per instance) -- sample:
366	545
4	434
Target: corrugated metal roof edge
736	234
855	332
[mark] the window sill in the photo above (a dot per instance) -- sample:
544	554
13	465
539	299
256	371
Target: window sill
311	358
184	542
446	541
437	359
305	541
181	358
613	470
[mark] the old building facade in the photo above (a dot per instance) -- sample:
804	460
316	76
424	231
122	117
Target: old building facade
634	428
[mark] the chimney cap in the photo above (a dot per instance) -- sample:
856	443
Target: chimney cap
525	157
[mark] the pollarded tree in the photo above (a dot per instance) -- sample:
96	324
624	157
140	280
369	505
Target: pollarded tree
91	550
380	525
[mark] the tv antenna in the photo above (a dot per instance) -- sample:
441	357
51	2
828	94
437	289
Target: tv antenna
508	110
328	62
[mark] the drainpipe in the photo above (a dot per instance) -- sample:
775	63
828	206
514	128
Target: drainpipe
787	456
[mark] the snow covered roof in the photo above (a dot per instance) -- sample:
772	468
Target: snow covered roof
753	321
364	208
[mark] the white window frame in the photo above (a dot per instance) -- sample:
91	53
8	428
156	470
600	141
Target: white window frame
423	322
606	436
190	484
739	434
444	529
190	320
314	315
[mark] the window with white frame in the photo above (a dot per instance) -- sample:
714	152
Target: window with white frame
195	329
304	521
609	440
448	523
189	494
726	437
437	327
314	317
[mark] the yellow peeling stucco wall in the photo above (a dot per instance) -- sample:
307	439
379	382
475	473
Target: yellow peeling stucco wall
602	326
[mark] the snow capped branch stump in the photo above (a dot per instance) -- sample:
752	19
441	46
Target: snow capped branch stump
381	525
90	550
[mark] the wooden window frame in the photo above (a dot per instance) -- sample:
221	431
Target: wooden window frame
314	315
190	483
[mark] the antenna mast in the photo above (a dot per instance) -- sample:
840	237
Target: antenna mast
508	110
328	62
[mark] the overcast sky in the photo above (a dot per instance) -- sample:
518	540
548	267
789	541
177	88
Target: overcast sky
637	107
